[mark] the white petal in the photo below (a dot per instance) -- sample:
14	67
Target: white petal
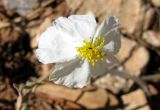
84	24
68	27
55	46
75	73
109	29
101	67
112	59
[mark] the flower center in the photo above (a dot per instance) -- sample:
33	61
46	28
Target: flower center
92	51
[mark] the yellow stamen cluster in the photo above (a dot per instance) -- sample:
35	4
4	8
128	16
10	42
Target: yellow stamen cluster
92	51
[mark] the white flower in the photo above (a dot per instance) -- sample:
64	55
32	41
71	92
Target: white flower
78	50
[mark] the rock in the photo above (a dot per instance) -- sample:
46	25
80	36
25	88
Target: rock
55	91
34	42
74	4
113	101
4	24
94	99
59	102
144	108
152	38
8	94
10	36
156	2
100	8
22	7
134	100
71	106
126	47
89	88
113	83
131	16
137	61
148	19
154	91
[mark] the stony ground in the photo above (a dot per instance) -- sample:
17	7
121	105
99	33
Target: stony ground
23	80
